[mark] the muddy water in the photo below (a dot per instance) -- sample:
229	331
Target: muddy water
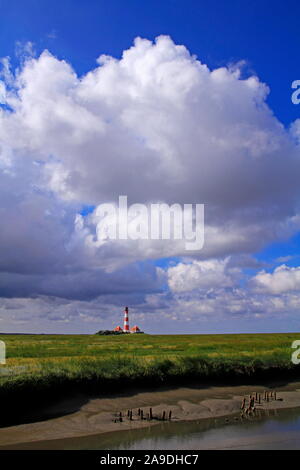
279	430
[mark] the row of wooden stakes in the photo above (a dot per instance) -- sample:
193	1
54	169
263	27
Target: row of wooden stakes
141	415
257	398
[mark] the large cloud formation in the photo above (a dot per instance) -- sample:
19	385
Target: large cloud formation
156	125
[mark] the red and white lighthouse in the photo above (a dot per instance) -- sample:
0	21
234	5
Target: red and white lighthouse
126	320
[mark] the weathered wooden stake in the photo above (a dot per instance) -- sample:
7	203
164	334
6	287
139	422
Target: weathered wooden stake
151	416
170	415
142	414
164	415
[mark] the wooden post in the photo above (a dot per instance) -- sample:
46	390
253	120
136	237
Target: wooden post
130	415
151	416
163	415
259	398
120	417
142	414
170	415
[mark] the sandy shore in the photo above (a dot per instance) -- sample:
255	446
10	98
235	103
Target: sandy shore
98	415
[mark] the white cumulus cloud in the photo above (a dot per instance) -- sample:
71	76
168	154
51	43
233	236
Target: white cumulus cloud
282	279
155	125
201	275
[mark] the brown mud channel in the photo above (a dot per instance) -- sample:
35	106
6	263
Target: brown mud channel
94	422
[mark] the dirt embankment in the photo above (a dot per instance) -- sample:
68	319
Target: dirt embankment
82	417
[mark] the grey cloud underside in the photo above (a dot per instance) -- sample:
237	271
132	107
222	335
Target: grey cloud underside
82	285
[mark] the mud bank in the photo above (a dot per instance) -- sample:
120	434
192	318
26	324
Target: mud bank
100	415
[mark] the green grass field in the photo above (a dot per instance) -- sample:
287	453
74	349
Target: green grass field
41	365
34	349
28	355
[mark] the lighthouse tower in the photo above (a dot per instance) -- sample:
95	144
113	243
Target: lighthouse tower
126	321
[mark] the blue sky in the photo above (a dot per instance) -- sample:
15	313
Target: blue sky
262	38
